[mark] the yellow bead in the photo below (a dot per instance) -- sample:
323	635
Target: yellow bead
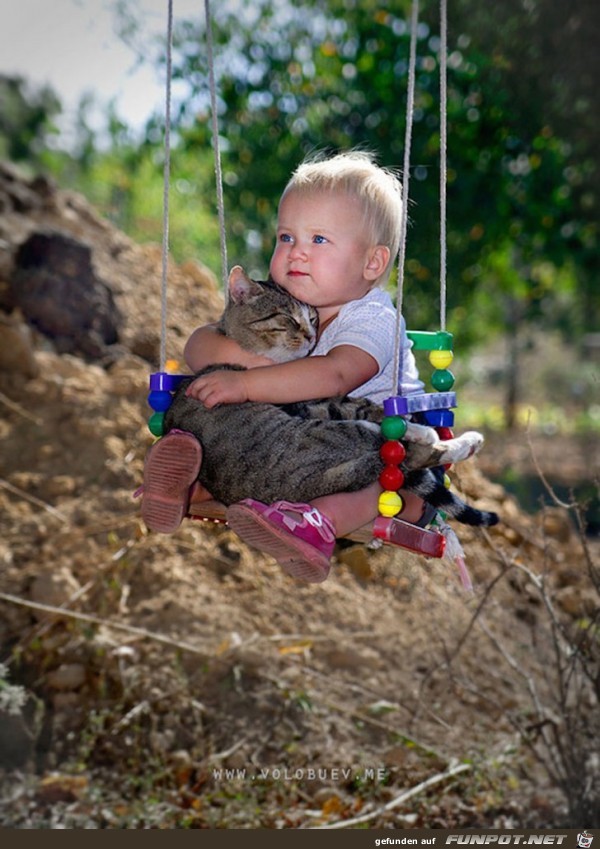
440	359
390	503
447	482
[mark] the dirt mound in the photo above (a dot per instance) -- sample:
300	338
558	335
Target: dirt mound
193	684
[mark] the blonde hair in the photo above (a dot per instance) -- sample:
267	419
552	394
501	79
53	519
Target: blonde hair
378	190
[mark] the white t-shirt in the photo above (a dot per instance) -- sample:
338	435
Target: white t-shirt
370	324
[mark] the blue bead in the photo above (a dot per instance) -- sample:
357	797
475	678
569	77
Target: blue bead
164	381
159	401
439	418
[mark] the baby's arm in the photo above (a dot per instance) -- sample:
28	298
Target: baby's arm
336	373
206	346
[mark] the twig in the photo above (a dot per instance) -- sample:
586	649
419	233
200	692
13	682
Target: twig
106	623
542	476
219	756
31	498
400	800
17	408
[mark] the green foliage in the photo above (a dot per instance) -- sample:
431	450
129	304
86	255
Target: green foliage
523	181
26	120
334	75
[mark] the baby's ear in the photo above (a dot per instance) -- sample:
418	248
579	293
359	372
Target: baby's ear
377	261
241	287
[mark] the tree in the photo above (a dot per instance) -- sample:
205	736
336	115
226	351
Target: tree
328	75
26	119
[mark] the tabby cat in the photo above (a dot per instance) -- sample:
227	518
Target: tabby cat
303	450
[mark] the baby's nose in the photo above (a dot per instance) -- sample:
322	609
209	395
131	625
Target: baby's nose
297	251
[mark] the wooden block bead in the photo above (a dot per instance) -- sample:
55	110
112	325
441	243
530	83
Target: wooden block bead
163	381
403	405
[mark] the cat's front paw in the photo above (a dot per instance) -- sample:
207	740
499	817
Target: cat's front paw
461	447
420	434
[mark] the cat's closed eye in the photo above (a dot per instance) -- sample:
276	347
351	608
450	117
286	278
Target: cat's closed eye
275	323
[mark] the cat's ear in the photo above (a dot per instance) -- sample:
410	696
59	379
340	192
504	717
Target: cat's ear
241	287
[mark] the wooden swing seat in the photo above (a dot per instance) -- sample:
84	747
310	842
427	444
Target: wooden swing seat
419	540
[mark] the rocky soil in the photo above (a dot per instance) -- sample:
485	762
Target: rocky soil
185	681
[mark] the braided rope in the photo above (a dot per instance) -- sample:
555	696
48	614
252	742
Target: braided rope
166	190
216	145
406	174
410	101
443	154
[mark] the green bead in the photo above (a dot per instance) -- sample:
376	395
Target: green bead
393	427
442	380
156	424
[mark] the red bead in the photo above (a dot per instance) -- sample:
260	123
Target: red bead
392	452
391	478
445	433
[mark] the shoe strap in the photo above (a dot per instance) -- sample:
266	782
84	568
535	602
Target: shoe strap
310	516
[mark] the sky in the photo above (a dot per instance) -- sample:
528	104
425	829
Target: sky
72	45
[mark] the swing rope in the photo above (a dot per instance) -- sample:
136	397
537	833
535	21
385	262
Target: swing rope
216	145
410	100
167	172
443	60
166	189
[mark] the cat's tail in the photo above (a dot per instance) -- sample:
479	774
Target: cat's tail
464	513
426	484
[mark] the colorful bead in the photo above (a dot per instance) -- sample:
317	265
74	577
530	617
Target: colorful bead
428	340
160	401
393	427
440	359
390	503
156	424
391	478
165	382
392	452
403	405
442	380
447	482
438	418
445	433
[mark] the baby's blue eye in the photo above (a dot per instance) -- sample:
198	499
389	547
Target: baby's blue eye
319	240
285	237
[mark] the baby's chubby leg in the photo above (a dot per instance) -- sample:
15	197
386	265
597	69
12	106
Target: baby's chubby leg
349	511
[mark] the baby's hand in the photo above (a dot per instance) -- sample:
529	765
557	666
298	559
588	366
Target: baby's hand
219	387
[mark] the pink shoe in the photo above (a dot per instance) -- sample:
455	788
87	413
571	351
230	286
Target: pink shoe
171	468
303	547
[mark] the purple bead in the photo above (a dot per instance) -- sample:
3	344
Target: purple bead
402	405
